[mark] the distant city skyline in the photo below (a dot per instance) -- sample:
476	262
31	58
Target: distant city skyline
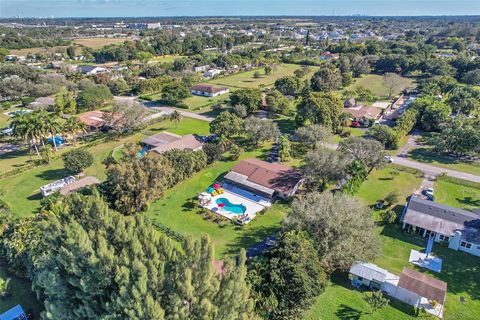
168	8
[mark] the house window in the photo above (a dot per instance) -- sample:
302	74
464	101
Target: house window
465	245
359	278
444	238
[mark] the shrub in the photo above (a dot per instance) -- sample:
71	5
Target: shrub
389	216
77	160
391	198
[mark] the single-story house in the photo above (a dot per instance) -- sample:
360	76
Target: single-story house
212	73
329	56
55	186
42	102
166	141
442	223
411	287
266	179
93	119
15	313
82	183
208	90
89	70
361	113
368	275
201	68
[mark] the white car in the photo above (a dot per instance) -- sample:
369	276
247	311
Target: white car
429	192
389	159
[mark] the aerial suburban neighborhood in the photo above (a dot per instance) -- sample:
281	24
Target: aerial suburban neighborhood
202	165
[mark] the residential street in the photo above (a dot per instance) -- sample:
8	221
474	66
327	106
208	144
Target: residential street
168	110
435	171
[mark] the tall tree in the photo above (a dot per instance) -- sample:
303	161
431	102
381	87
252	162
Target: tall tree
261	130
313	135
342	228
327	78
320	108
323	166
369	152
227	125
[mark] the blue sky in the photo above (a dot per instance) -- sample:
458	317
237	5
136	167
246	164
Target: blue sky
138	8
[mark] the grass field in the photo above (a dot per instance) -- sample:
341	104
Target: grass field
246	79
24	52
457	193
377	86
21	191
165	59
99	42
425	155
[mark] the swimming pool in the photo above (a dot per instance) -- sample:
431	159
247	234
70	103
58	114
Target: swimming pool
232	208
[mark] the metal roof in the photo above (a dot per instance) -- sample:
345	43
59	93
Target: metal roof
369	271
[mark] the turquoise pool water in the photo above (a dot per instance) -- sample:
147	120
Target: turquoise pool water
233	208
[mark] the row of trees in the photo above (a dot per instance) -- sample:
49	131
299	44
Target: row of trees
87	261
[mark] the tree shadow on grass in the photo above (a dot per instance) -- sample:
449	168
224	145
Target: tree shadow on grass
286	125
53	174
469	201
345	312
36	196
249	235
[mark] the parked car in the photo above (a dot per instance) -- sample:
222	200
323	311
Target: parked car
389	159
428	192
356	124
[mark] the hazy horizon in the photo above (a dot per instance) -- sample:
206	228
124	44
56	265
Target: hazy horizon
198	8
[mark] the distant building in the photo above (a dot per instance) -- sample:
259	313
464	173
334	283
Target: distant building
93	119
212	73
329	56
42	102
166	141
350	103
459	228
89	70
201	68
208	90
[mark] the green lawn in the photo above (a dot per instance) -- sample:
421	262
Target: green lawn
199	102
177	211
457	193
21	191
246	79
166	59
354	132
425	155
376	85
21	294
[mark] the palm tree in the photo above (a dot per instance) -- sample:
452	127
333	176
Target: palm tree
24	127
73	126
175	117
47	153
53	127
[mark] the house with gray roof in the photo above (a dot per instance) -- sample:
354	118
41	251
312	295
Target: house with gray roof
459	228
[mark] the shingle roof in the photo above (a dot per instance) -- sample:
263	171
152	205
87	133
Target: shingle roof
161	138
185	142
275	176
205	87
443	219
423	285
93	118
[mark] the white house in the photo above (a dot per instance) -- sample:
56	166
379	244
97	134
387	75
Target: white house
411	287
442	223
201	68
212	73
89	70
208	90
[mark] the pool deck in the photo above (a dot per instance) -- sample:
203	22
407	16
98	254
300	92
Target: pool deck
235	198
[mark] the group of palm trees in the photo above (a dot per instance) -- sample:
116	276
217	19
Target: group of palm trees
36	127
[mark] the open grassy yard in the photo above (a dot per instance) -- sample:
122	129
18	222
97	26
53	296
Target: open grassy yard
457	193
425	155
199	102
21	191
177	211
99	42
376	85
246	79
26	51
165	59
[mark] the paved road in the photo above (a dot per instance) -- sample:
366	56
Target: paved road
435	171
168	110
427	169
